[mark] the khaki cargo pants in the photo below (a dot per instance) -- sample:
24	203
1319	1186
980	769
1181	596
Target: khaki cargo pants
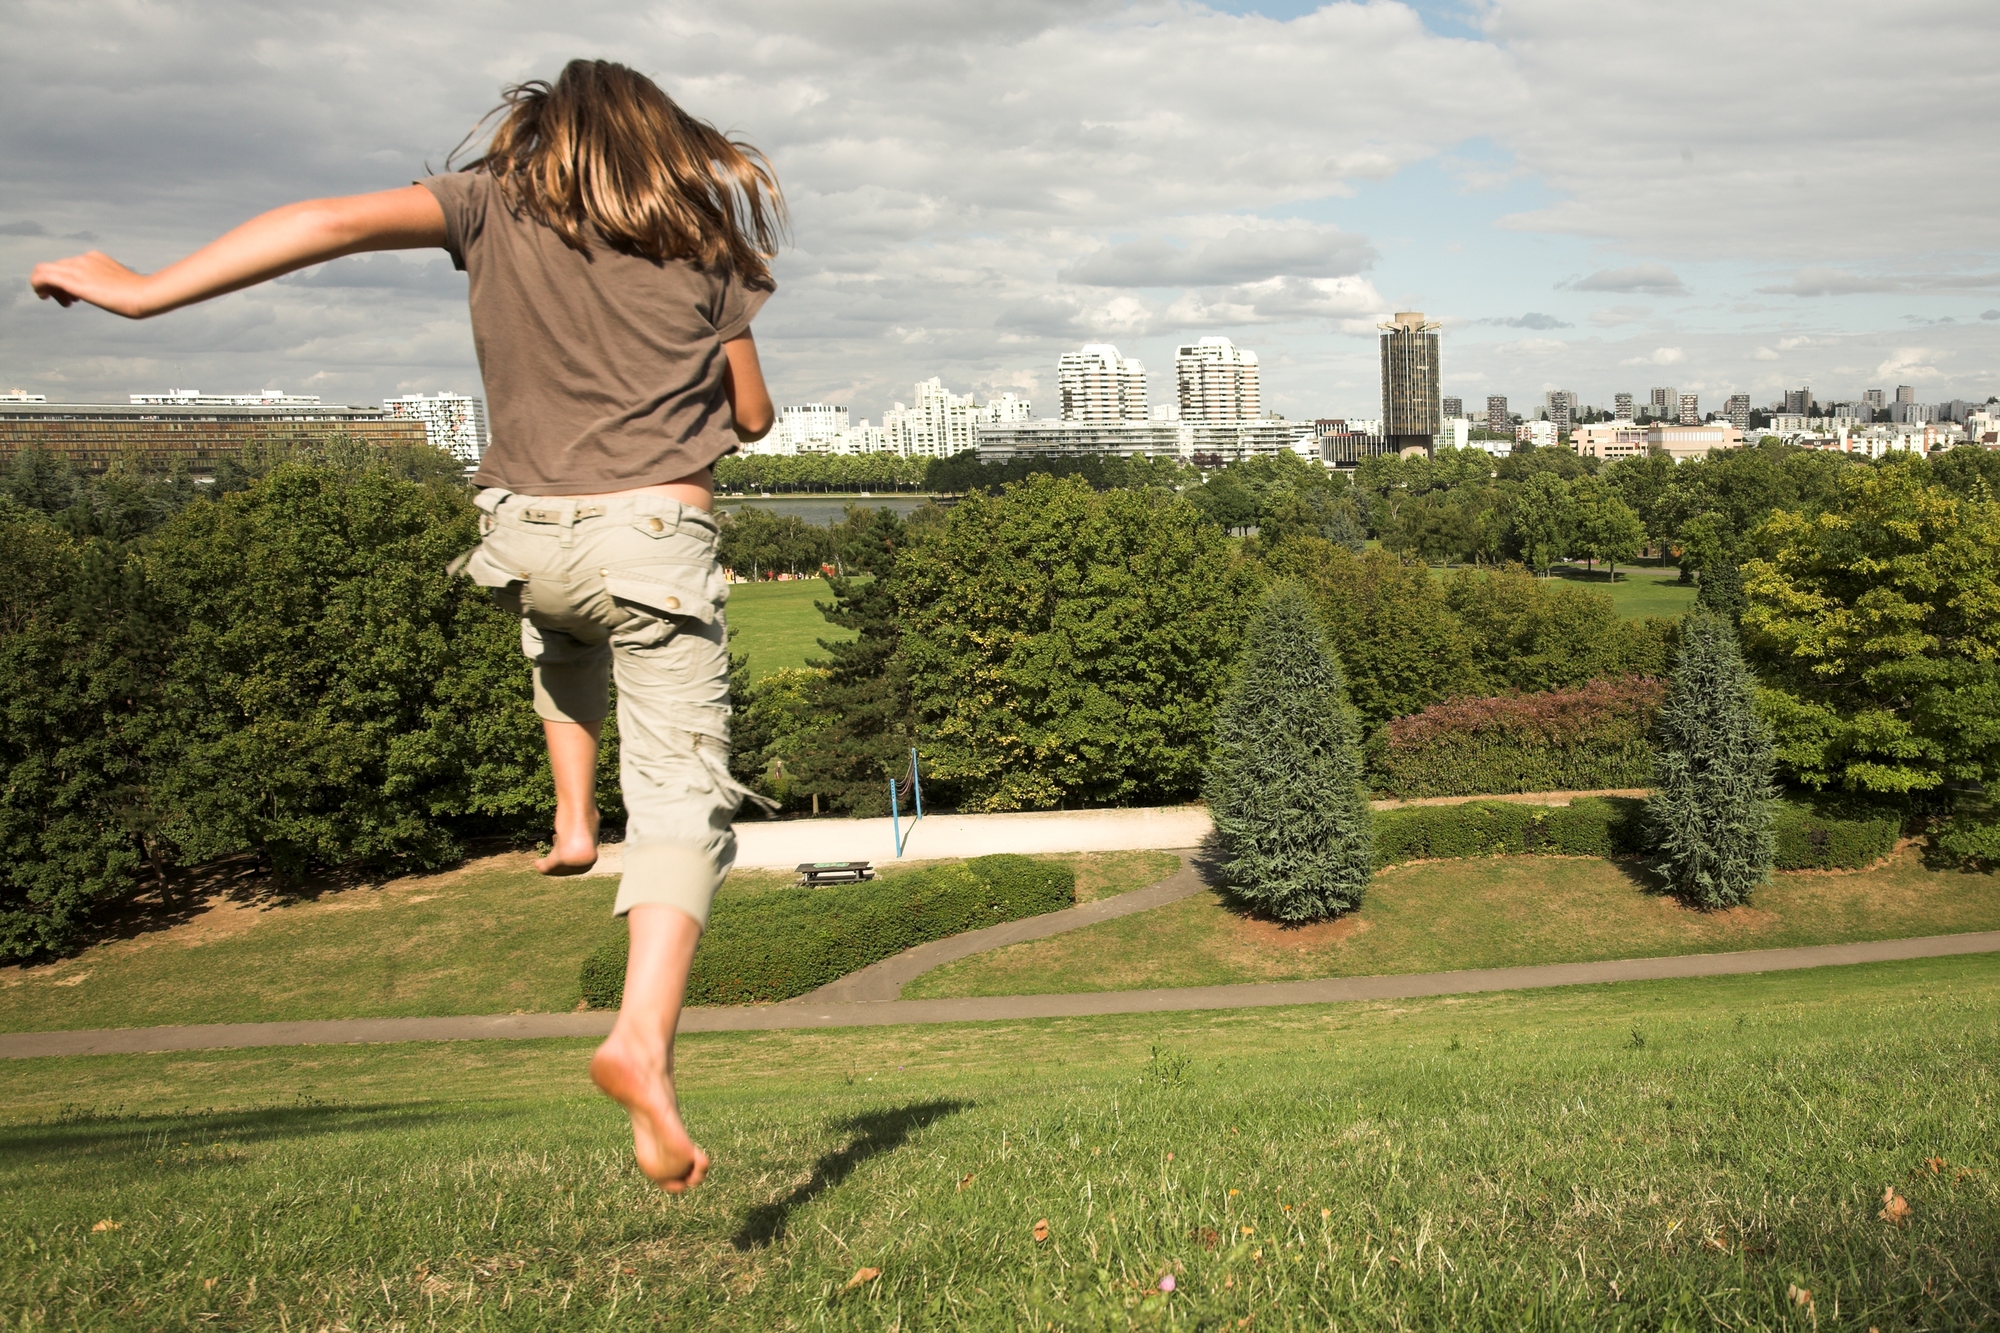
629	589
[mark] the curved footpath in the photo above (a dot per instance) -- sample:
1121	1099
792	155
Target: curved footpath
882	1013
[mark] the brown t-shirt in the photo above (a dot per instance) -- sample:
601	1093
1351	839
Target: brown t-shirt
603	373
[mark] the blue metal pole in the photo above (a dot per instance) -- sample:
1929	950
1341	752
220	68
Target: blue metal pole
916	782
895	818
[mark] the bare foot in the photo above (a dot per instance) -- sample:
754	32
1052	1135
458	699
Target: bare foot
636	1078
575	849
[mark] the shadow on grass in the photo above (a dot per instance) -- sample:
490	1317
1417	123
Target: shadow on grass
874	1133
96	1132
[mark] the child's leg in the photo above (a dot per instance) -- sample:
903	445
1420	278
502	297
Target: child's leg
573	761
635	1065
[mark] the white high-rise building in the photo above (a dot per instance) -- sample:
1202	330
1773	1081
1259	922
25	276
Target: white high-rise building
804	425
1098	385
940	424
452	421
1218	382
1690	409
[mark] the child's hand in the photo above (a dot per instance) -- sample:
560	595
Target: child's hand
95	277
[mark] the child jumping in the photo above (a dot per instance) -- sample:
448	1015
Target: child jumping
616	249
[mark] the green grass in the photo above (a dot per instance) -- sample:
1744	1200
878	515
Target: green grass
1637	593
1504	911
1667	1155
777	626
493	937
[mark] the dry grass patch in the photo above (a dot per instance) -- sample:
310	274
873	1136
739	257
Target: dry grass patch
1500	912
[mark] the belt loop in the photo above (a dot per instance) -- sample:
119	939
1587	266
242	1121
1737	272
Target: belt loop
568	538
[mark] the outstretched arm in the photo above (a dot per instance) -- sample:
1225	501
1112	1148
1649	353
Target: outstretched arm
280	241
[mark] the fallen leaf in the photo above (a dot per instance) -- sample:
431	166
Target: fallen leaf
1209	1238
1041	1231
1936	1164
1249	1231
1234	1193
1325	1213
1798	1295
107	1225
862	1275
968	1179
1895	1208
208	1284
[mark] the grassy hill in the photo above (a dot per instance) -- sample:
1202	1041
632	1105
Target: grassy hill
1685	1154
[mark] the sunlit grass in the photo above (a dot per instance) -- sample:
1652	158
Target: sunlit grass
493	937
1678	1154
1493	912
777	626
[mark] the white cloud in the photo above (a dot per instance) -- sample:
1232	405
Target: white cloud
1662	356
1764	354
1243	254
978	186
1643	279
1907	364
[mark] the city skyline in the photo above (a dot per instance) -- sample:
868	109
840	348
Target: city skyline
957	214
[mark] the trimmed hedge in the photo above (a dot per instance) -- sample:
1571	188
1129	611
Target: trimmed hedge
1837	838
1809	837
772	946
1588	826
1561	740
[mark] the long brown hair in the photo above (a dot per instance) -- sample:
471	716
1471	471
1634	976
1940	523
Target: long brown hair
604	145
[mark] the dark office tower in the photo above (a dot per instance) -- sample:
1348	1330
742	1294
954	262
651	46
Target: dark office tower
1798	402
1454	408
1623	406
1560	407
1496	414
1738	410
1411	413
1664	404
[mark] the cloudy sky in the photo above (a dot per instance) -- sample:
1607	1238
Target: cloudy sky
1589	194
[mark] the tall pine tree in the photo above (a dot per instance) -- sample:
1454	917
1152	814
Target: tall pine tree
1709	819
1284	782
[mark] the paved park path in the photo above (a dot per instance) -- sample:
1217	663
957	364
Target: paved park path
883	1013
780	844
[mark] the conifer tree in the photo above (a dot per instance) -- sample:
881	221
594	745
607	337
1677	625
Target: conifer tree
1708	821
1284	782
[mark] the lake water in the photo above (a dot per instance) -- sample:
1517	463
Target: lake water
820	509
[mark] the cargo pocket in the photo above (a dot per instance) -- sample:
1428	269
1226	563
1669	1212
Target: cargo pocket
666	590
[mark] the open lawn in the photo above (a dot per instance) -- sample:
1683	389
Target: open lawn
777	626
491	938
1636	594
1639	592
1688	1154
1496	912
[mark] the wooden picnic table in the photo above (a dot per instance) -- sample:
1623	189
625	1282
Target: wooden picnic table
835	872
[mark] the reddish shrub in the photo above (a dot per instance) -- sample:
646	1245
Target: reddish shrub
1563	740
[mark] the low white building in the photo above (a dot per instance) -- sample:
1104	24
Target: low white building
1538	433
196	398
1202	443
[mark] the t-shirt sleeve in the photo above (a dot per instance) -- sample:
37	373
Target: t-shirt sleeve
738	304
463	201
